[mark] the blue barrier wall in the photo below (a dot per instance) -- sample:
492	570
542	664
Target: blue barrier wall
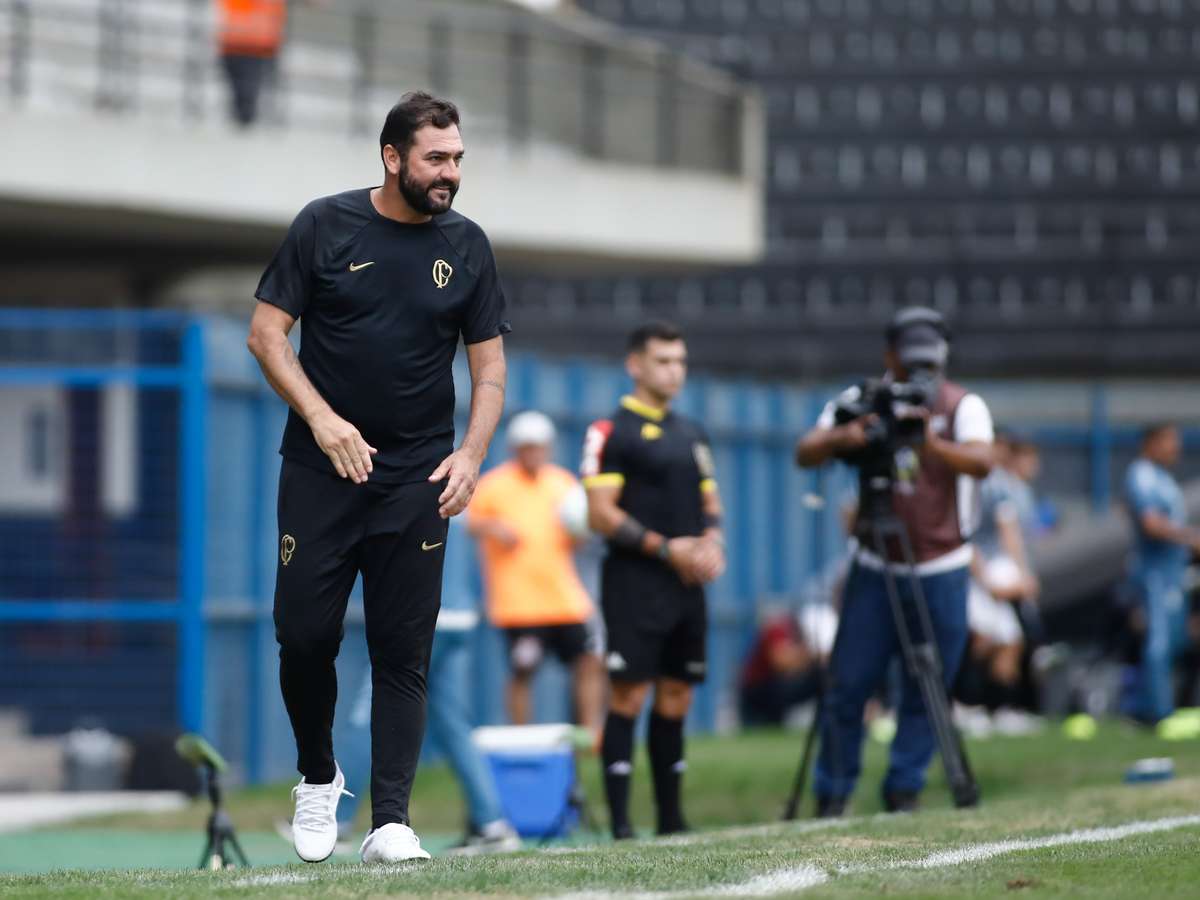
138	541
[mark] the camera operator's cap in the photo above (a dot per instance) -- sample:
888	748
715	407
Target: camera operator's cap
920	336
530	427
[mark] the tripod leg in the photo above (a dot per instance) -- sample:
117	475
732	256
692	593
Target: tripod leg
792	807
925	667
793	804
207	854
237	850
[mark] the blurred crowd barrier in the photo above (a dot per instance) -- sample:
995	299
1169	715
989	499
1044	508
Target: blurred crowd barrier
138	542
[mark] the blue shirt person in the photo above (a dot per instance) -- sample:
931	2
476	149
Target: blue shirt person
1163	545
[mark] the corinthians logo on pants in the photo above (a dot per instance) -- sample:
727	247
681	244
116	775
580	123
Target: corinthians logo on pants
287	546
442	271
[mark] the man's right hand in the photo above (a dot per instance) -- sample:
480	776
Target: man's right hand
853	435
345	447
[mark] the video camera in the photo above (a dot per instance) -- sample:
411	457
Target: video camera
894	405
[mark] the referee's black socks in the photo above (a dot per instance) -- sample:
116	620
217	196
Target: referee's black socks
616	751
665	742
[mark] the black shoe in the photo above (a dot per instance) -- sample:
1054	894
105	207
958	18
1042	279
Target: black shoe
901	801
669	828
831	807
622	832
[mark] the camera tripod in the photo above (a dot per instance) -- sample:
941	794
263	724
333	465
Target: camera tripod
221	835
920	657
222	838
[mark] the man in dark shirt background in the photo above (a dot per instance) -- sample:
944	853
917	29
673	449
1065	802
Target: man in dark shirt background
652	493
385	280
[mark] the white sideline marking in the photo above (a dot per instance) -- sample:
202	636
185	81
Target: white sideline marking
784	881
769	884
981	852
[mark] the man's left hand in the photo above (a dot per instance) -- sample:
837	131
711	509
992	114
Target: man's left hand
708	560
460	471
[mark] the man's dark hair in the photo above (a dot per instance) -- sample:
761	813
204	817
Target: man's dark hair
652	331
1154	429
415	110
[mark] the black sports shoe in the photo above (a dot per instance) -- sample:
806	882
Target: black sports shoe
901	801
831	807
622	832
680	827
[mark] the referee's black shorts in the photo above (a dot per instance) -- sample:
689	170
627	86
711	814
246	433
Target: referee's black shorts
656	625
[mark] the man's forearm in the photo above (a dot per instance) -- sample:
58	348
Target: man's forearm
487	405
820	445
1160	528
284	373
974	458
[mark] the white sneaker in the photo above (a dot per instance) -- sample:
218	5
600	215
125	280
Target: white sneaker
345	841
314	825
392	843
1016	723
495	837
973	721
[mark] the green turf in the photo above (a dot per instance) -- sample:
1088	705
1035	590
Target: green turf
1032	787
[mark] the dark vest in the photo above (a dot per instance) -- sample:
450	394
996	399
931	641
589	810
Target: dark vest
925	494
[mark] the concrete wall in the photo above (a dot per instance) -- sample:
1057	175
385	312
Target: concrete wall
145	181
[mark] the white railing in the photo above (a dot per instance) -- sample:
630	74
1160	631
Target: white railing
564	79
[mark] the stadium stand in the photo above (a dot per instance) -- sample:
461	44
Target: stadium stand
1027	166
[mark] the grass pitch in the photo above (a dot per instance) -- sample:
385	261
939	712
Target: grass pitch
1056	821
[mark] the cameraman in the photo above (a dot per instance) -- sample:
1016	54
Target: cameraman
933	493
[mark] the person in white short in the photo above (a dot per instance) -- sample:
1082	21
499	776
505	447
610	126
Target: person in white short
1001	576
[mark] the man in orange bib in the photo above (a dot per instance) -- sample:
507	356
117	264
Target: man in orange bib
534	594
249	35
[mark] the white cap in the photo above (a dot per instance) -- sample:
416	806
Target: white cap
530	427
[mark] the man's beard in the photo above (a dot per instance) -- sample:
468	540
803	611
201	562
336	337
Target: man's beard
417	196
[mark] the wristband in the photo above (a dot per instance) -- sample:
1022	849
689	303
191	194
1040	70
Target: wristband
663	552
629	534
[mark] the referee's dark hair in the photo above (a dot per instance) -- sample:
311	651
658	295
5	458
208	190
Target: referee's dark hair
415	110
652	331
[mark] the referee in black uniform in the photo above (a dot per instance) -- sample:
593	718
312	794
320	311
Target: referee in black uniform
652	493
385	281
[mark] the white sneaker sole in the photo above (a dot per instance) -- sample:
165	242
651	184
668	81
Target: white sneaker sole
378	860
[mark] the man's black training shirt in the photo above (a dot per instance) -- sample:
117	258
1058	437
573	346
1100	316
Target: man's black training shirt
381	306
662	461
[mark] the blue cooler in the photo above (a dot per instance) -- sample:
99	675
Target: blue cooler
534	770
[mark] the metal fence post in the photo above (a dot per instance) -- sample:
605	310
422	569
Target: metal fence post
667	133
439	56
520	108
818	487
1100	451
192	529
196	50
593	105
20	34
259	593
365	25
